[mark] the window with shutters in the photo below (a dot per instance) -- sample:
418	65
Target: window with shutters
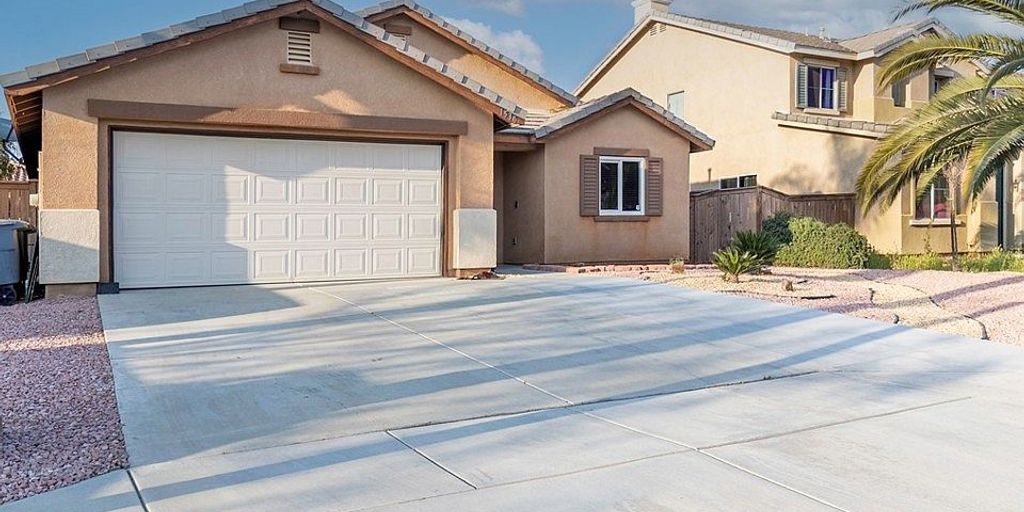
300	48
822	88
622	186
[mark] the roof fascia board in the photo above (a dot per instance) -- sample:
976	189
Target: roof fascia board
495	58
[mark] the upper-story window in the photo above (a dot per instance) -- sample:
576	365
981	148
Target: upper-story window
938	82
675	103
899	93
745	181
821	87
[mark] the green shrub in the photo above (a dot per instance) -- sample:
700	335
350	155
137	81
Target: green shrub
816	244
926	261
998	260
880	261
733	263
777	227
761	245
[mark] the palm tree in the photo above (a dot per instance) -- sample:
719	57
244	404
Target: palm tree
973	128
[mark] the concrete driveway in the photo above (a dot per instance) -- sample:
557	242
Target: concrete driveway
545	392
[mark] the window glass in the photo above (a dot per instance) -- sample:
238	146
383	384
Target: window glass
630	186
745	181
675	104
821	87
899	94
609	185
935	203
748	181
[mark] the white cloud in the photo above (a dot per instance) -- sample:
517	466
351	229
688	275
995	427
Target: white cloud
840	18
514	7
517	44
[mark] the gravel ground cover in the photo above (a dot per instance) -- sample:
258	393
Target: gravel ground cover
995	299
57	402
987	306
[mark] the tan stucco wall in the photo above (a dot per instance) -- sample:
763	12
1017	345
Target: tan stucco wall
732	90
240	69
569	238
522	92
523	209
717	100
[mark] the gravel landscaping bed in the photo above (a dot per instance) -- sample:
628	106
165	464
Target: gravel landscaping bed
57	402
995	299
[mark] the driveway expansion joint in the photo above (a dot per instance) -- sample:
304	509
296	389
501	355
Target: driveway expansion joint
430	460
138	491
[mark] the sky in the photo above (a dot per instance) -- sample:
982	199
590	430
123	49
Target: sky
562	39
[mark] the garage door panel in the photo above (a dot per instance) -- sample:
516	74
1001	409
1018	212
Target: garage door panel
313	227
351	263
272	266
313	265
272	227
388	192
272	190
352	191
229	267
388	262
185	227
313	191
239	211
186	189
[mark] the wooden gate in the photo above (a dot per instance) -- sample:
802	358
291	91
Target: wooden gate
717	215
14	200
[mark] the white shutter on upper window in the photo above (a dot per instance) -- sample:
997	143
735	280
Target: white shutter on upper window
801	86
843	88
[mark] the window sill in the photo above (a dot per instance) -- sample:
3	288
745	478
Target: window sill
622	218
924	223
822	111
300	69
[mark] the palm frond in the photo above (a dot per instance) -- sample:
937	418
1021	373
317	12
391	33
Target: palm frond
929	52
1011	11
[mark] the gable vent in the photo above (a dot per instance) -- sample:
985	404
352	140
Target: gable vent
300	48
656	29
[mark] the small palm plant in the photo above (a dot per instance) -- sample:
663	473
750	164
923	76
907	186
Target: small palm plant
733	263
762	245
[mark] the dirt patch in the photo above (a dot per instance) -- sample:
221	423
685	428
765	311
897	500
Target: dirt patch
57	402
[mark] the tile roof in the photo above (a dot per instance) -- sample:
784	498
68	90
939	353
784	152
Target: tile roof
454	30
541	125
771	36
834	122
888	36
90	56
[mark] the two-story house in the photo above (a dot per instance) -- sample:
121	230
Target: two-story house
799	113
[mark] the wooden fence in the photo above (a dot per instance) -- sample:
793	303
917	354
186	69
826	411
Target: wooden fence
716	215
14	201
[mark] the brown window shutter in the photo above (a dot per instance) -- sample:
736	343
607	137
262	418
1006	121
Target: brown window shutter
655	187
590	186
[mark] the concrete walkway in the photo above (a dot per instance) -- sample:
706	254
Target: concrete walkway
546	392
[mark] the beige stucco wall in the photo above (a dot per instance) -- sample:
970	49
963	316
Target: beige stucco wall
734	104
240	69
523	209
569	238
720	99
522	92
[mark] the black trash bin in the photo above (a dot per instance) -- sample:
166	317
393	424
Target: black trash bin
10	259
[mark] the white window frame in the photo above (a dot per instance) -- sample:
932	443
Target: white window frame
739	180
682	102
821	91
643	186
930	199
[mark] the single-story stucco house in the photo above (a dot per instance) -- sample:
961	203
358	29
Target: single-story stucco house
293	141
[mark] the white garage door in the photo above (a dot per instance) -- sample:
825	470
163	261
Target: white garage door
196	210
